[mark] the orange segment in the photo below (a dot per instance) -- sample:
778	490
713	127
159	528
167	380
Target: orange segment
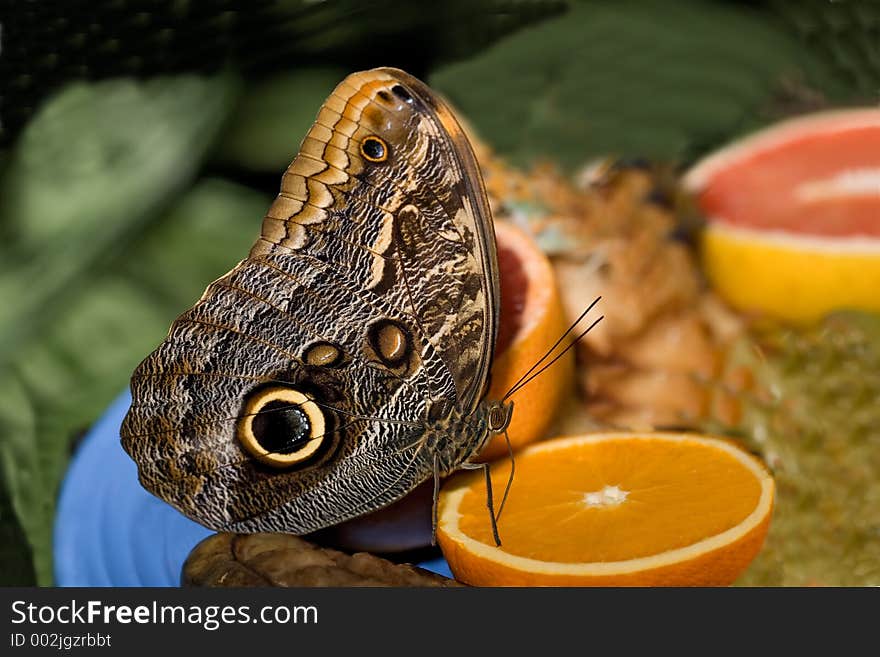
532	319
612	509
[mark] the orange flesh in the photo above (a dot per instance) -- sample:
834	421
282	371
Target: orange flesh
761	191
697	493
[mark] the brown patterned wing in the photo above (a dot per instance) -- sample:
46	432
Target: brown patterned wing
302	388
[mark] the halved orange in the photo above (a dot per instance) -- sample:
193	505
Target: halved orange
532	320
612	509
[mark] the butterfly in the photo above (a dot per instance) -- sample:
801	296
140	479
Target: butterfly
345	360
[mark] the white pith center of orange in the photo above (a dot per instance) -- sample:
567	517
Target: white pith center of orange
608	496
657	518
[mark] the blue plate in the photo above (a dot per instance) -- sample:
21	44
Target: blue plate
111	532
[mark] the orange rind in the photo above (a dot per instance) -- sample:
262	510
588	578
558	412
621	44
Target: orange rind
612	509
532	320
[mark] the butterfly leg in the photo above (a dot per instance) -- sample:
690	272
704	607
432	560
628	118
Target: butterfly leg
489	503
509	478
434	506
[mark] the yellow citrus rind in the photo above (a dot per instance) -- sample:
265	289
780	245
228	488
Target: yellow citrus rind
791	277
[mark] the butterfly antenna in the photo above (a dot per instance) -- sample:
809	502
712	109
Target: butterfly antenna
561	354
530	375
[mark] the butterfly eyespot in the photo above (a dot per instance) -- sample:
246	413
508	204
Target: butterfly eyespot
390	341
281	426
374	149
323	354
402	93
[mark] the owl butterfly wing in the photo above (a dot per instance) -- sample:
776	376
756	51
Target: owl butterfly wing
296	393
417	219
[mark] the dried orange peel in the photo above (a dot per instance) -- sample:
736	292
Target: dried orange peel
612	509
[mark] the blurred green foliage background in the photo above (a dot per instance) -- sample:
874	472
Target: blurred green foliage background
142	143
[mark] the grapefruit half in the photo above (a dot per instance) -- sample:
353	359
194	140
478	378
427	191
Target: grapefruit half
794	216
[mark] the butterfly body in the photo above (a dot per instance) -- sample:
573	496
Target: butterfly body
344	361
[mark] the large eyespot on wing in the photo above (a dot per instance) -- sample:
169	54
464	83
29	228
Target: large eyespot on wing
282	426
263	409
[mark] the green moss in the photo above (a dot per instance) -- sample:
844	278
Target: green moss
817	423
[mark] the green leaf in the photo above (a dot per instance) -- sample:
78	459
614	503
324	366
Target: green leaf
117	37
818	426
273	117
646	78
846	36
62	379
390	32
90	280
16	564
276	110
89	172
